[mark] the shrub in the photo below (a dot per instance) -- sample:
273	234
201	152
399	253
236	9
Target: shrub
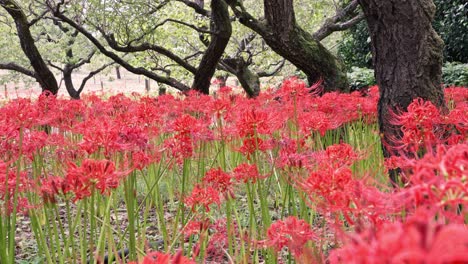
450	21
360	78
455	74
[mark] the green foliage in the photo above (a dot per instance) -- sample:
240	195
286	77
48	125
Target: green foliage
355	47
451	22
360	78
455	74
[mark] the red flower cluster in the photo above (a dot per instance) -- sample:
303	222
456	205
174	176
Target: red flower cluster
418	240
290	232
92	175
162	258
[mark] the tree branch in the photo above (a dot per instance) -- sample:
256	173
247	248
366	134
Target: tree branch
116	58
199	9
145	47
333	24
17	68
91	74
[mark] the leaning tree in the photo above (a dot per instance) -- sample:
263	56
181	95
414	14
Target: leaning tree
281	31
41	71
407	55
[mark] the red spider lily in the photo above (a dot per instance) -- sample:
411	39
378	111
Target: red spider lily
288	153
218	179
101	134
252	144
316	121
341	155
247	173
161	258
422	126
92	174
456	94
438	178
458	117
253	122
51	187
195	227
330	190
187	131
219	240
294	89
290	232
203	197
419	240
8	188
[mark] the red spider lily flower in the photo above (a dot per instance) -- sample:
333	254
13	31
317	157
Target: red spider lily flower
252	144
180	147
51	187
253	122
456	94
187	132
330	190
422	126
437	178
101	134
219	240
294	89
341	155
161	258
288	153
8	188
218	179
316	121
204	197
292	233
247	173
92	174
459	118
195	227
416	241
454	163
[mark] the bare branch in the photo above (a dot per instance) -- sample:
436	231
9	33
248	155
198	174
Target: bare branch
136	70
278	68
198	8
91	74
335	23
17	68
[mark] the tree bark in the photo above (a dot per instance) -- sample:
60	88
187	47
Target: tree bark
43	75
249	80
407	55
221	25
281	32
67	78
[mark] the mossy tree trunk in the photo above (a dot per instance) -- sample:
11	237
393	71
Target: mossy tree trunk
281	32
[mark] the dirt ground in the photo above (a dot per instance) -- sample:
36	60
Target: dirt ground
100	84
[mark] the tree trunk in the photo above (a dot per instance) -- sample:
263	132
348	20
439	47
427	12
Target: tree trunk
117	72
300	48
67	78
407	55
221	26
43	74
290	41
250	81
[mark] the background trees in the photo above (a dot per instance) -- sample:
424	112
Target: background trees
170	41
